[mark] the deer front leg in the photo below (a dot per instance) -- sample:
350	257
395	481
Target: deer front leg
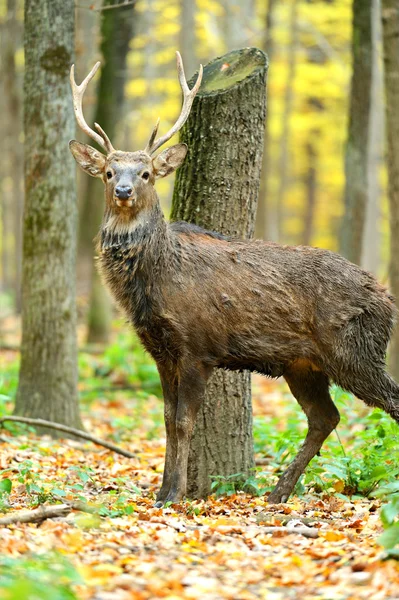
169	388
191	390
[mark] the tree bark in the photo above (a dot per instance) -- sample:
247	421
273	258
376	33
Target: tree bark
187	37
311	186
217	187
371	247
356	158
266	226
116	33
390	23
48	373
283	165
13	156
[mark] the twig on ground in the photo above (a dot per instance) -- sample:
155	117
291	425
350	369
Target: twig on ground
309	532
45	512
71	430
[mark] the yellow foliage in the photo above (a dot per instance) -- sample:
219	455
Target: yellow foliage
320	91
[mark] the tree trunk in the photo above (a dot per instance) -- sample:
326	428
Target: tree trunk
48	373
116	33
356	159
217	187
390	23
266	226
283	169
371	249
311	184
13	157
187	39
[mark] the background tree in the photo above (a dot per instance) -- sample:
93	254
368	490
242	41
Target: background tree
390	22
371	246
266	225
12	196
116	33
217	187
48	373
356	157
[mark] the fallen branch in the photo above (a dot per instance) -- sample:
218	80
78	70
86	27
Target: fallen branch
309	532
37	515
71	430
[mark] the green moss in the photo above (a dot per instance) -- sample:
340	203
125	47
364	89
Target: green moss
224	72
56	60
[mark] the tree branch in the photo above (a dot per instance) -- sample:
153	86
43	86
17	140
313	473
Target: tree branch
72	430
37	515
101	8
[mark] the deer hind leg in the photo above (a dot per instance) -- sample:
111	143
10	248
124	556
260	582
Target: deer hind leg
310	388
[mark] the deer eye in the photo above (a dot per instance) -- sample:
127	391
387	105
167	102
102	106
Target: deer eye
109	174
145	175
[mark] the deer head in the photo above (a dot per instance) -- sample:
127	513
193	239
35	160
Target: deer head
129	177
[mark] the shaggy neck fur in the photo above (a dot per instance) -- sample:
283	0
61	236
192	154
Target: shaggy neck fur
134	259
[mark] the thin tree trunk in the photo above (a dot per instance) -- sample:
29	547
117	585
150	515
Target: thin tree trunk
266	226
217	187
311	195
187	38
286	118
12	38
116	33
48	373
371	234
356	158
390	23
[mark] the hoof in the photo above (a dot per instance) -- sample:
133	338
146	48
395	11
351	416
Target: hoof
158	504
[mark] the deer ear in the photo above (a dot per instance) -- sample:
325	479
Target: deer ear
88	159
169	160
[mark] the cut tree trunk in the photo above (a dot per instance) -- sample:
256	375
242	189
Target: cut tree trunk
116	33
217	188
357	156
48	373
390	23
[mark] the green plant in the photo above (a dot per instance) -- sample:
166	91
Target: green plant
227	485
389	515
48	577
362	458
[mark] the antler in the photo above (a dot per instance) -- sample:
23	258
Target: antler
188	98
78	93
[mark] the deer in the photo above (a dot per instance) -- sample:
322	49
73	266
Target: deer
199	300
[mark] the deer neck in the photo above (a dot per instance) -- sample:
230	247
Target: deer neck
133	260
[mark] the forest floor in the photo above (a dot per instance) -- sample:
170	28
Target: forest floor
223	547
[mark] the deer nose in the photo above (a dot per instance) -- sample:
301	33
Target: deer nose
123	192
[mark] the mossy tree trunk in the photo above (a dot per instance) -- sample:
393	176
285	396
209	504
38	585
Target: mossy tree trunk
357	155
116	33
390	23
217	188
48	373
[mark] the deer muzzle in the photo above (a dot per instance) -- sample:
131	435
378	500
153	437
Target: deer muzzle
124	195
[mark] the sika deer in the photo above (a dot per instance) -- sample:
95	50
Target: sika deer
199	300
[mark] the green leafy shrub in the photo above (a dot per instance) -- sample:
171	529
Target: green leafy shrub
48	577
